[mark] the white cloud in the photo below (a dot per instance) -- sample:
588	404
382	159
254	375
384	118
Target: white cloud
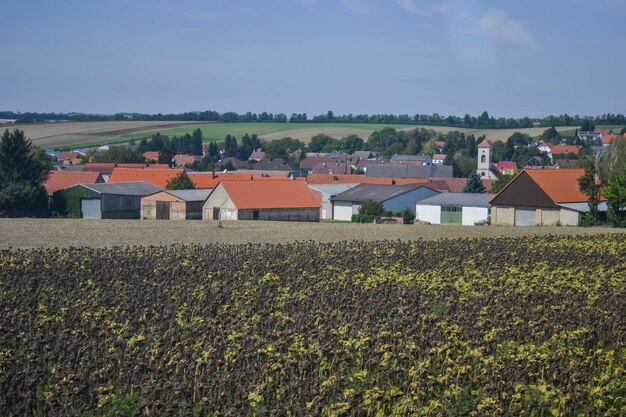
422	8
359	6
497	24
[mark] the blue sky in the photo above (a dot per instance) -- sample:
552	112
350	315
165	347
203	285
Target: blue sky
511	58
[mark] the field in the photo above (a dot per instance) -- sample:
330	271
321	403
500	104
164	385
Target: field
88	134
51	233
525	326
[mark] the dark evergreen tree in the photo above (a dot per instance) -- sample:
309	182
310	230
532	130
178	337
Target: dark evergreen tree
180	182
474	184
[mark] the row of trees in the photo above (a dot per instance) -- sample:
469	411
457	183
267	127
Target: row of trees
483	121
605	178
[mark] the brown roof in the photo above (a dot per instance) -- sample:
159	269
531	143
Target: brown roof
456	185
270	194
184	159
151	156
59	180
484	144
158	177
359	179
565	149
68	155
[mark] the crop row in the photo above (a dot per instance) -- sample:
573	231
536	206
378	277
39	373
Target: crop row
502	326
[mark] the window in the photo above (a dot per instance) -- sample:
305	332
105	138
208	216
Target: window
452	209
482	159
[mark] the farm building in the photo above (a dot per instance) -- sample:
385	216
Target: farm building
157	177
114	200
59	180
324	193
394	197
174	205
465	209
410	171
541	197
261	200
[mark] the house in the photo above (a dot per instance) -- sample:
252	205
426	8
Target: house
257	155
308	163
455	185
465	209
360	179
541	197
439	158
59	180
395	198
151	156
114	201
158	177
69	156
234	162
261	200
421	159
535	162
545	146
410	171
324	193
564	150
182	160
174	205
269	164
106	169
507	167
336	167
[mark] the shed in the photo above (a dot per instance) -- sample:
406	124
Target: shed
541	197
465	209
324	193
261	200
395	198
174	205
115	200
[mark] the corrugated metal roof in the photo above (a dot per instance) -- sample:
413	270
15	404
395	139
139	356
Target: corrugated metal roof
137	188
583	207
376	192
332	189
459	199
191	195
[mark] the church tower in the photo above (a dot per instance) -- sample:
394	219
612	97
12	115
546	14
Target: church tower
484	161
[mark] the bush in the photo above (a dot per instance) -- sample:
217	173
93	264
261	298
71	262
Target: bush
364	218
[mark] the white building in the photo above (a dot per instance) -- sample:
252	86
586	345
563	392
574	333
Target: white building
485	167
465	209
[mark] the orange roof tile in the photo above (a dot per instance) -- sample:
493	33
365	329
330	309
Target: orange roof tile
270	194
208	180
158	177
59	180
359	179
151	155
565	149
561	185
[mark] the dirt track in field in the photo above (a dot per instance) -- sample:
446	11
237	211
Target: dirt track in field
30	233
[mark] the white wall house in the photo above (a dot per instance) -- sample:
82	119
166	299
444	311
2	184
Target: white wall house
465	209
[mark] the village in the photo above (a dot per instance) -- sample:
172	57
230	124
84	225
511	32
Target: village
330	187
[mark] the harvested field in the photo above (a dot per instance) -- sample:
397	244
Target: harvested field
49	233
85	134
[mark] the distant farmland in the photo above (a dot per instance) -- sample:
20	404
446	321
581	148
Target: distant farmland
87	134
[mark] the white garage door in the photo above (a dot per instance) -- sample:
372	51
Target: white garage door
525	217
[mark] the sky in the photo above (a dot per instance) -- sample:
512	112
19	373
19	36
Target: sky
511	58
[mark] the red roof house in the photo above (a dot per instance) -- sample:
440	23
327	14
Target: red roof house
158	177
60	180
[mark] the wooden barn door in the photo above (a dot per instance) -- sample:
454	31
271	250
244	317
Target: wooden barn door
163	210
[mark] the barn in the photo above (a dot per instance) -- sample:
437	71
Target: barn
324	193
465	209
174	205
114	200
541	197
394	197
286	200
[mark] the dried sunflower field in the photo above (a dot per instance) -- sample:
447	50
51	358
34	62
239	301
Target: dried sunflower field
527	326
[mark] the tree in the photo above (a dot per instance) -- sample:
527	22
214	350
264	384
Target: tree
165	157
372	208
587	126
474	184
320	142
591	185
501	183
430	148
21	172
180	182
615	193
551	135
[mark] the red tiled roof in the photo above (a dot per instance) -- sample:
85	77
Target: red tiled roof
607	139
359	179
208	180
59	180
158	177
439	156
456	185
151	156
565	149
270	194
184	159
68	155
257	155
484	144
561	185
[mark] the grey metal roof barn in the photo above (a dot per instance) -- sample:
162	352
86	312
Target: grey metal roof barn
459	200
377	192
136	188
190	195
